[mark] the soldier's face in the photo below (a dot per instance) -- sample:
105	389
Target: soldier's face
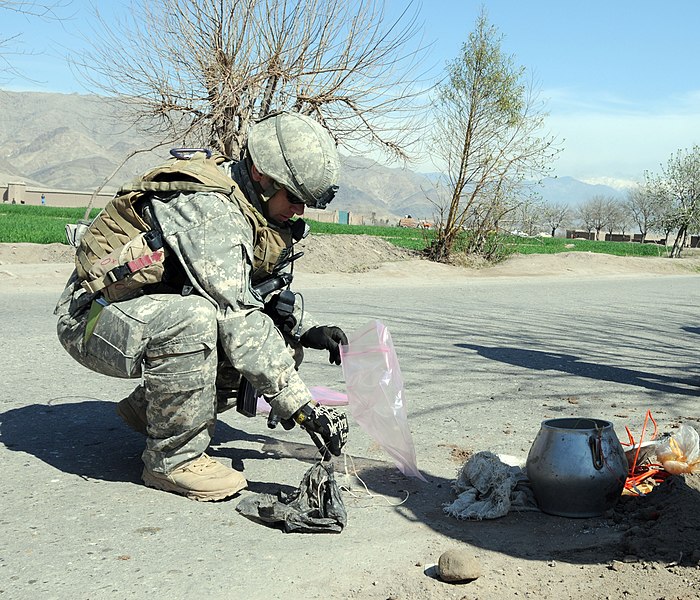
280	209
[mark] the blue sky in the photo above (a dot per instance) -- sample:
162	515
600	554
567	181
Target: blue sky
620	78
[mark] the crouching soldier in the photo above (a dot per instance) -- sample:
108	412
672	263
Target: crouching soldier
167	289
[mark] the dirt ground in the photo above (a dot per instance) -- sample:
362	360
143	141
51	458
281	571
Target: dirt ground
662	534
352	254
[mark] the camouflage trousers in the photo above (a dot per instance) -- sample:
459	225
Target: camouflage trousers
170	342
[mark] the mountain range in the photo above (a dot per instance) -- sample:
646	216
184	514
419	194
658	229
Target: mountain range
75	141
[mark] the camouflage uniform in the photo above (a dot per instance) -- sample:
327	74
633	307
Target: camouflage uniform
170	340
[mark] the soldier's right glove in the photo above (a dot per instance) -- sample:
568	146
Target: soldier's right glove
328	423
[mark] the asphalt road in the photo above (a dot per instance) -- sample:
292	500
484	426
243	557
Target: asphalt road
483	363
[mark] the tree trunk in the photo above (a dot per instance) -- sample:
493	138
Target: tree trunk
679	242
438	251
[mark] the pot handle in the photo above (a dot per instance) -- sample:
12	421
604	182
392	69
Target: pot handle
596	444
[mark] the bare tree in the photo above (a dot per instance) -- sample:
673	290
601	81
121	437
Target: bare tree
593	214
643	205
586	216
487	132
32	8
204	70
667	220
614	216
682	177
528	214
555	214
624	217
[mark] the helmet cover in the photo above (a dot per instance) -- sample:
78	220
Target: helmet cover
298	153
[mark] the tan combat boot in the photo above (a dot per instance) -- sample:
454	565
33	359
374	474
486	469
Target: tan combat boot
202	479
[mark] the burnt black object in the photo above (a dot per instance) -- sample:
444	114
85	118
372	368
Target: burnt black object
316	506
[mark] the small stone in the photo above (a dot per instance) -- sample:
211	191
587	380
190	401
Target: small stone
456	566
617	565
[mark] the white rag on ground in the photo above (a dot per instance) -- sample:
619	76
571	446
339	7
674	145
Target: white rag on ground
488	488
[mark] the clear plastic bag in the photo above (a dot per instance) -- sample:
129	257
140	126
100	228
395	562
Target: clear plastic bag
376	395
680	453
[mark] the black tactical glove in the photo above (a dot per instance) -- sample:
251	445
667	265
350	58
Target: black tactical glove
325	337
329	423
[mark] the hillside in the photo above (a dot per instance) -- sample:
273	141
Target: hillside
65	141
74	141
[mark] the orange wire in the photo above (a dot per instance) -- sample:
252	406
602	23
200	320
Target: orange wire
647	416
653	435
651	471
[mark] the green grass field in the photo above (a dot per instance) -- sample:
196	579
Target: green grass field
418	239
37	224
46	224
522	245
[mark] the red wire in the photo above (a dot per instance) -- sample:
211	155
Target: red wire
651	471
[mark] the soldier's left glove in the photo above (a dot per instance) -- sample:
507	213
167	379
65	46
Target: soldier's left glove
325	337
329	423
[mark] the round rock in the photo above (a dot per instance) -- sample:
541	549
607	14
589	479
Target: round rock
456	566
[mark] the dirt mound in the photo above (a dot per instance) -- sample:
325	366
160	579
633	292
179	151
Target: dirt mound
348	253
34	254
322	253
664	524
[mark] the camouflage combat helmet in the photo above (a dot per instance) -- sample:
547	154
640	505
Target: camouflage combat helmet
297	153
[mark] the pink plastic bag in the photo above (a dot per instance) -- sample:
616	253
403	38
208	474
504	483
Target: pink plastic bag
327	396
322	395
376	394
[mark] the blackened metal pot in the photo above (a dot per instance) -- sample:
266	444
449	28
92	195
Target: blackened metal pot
577	467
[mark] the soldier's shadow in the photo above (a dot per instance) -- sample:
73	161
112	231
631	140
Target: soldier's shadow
87	438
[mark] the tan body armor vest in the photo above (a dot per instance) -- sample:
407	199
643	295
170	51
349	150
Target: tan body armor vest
120	252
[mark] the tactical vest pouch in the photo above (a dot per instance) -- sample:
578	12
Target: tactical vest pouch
271	249
116	238
123	272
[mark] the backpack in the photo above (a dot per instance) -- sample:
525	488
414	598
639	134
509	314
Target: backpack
120	252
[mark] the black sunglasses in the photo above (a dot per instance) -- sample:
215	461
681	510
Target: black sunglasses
291	198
